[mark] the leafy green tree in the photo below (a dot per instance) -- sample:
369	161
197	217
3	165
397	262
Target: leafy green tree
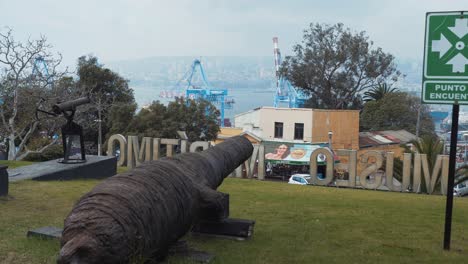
378	92
335	65
149	121
198	118
108	91
431	146
120	116
395	111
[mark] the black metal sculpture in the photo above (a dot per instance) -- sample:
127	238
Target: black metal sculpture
71	131
3	180
140	213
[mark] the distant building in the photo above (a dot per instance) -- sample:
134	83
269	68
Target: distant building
386	140
303	125
292	127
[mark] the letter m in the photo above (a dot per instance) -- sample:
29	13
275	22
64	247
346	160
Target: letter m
439	168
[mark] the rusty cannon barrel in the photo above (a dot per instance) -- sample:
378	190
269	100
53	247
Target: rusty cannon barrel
141	213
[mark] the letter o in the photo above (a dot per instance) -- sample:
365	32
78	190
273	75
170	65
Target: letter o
313	166
122	145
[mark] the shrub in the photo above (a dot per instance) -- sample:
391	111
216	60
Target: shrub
52	152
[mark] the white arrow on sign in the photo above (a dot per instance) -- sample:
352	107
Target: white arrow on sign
441	46
461	27
458	63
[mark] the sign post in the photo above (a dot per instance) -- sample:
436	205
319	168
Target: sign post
445	81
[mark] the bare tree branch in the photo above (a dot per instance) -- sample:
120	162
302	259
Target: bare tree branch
21	89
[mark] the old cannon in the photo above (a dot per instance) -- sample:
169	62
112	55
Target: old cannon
141	213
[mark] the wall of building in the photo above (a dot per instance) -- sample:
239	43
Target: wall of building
344	124
317	123
287	116
249	121
227	132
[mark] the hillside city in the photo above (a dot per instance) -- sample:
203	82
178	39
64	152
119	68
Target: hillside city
243	72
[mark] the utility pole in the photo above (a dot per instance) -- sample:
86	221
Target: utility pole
99	126
418	121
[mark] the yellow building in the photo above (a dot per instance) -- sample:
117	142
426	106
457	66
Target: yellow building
227	132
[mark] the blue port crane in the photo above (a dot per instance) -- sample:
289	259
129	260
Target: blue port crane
40	68
198	87
288	94
285	93
40	71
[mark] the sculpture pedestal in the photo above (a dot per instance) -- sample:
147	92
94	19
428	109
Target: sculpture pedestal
3	180
232	228
218	224
95	167
47	232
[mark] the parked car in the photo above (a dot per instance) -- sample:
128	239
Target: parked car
302	179
460	189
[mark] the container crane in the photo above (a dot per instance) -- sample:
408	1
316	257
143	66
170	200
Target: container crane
40	68
40	71
285	92
198	87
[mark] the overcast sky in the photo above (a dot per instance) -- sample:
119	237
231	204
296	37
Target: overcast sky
124	29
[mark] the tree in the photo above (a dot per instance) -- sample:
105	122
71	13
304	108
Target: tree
396	111
378	92
22	87
120	116
431	146
198	118
106	90
335	65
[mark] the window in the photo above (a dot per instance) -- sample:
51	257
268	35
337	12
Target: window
278	130
299	131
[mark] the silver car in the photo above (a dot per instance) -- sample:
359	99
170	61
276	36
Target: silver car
460	189
302	179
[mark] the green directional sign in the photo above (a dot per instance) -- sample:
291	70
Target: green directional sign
445	74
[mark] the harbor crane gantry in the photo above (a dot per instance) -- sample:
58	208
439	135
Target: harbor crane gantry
40	71
203	90
40	67
285	93
198	87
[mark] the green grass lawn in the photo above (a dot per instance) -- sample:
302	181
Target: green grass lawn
294	224
15	164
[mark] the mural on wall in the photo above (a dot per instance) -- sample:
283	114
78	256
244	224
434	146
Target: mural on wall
291	153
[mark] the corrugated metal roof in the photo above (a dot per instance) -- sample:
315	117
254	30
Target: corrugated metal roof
385	137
